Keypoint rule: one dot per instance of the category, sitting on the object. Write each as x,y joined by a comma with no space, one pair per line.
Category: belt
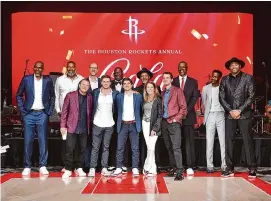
41,110
128,122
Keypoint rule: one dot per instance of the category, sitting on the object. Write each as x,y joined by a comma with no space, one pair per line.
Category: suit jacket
90,90
239,99
177,108
156,116
191,94
114,87
70,112
137,109
206,98
96,94
27,89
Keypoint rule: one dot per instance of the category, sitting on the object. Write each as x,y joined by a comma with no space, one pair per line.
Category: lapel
238,84
77,101
43,85
178,84
153,106
88,105
209,92
134,100
31,84
186,84
172,90
121,102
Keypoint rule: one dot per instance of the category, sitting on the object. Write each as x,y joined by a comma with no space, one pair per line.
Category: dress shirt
180,78
104,114
128,108
118,86
64,85
166,99
37,105
93,84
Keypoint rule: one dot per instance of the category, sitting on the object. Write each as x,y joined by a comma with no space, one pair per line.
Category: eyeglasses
93,68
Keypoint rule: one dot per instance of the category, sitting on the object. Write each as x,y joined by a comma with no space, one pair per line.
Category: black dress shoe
171,173
252,173
179,176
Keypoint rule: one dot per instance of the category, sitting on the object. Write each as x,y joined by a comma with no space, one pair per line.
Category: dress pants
172,136
245,126
71,141
128,130
215,121
35,120
149,164
189,145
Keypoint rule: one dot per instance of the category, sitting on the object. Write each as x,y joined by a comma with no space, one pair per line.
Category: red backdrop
50,36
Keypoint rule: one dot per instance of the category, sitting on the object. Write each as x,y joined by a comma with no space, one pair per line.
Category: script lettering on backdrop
156,68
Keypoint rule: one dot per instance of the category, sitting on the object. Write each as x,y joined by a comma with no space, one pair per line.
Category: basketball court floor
201,187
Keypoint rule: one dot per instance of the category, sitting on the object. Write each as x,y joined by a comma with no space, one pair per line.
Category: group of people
98,112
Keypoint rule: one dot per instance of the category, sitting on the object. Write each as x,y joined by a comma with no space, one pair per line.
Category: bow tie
117,82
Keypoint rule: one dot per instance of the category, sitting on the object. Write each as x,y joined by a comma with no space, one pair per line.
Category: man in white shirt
65,84
103,124
214,118
95,82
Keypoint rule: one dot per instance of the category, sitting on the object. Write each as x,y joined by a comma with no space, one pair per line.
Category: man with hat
236,95
145,76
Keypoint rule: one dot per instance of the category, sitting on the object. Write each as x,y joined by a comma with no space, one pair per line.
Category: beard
71,73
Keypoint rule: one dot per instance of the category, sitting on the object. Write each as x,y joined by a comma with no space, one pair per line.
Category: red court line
161,185
91,185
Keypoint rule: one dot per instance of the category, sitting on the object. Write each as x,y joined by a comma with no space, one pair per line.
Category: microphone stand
266,84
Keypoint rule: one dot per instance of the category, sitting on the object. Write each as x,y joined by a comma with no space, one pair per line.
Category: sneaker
190,171
91,172
111,168
124,170
117,172
179,176
135,172
80,172
227,173
105,172
252,173
26,172
43,170
67,174
145,172
210,170
63,169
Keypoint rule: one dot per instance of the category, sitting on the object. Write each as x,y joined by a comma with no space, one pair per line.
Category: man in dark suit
95,82
128,124
116,84
236,95
36,108
76,125
191,93
145,76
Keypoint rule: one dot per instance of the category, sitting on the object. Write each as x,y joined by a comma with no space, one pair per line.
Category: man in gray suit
214,119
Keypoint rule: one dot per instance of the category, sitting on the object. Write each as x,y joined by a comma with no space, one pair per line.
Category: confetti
69,54
196,34
249,59
239,21
205,36
62,32
66,17
50,29
214,45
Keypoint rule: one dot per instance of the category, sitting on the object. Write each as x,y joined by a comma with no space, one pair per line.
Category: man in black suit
191,93
236,95
116,84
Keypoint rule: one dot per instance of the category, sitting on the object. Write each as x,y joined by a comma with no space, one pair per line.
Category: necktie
182,86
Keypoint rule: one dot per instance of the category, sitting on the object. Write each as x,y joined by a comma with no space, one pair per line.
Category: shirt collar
183,77
36,78
96,80
76,76
111,91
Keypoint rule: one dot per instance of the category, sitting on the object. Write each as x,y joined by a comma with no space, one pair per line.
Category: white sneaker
190,171
91,172
63,169
135,172
105,172
80,172
26,172
43,170
117,172
124,170
67,174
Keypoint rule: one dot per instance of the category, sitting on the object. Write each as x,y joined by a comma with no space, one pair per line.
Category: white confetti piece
196,34
62,32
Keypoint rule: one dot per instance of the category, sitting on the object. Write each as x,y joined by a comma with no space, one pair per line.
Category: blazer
191,94
206,98
137,109
27,89
177,108
70,112
96,94
241,98
156,116
90,90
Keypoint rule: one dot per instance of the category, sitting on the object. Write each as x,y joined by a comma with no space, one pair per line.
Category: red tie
182,86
